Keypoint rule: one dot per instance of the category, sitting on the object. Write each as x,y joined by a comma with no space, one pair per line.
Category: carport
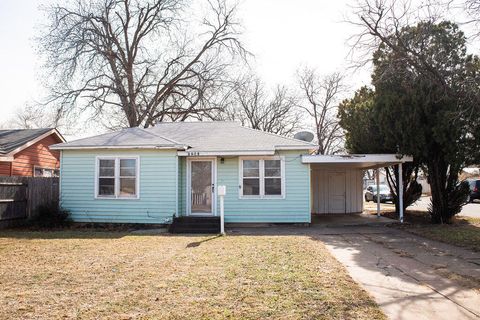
336,181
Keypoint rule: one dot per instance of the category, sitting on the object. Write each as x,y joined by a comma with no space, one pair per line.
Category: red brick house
25,152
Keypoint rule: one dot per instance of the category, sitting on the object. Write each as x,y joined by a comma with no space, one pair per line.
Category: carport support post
377,177
400,191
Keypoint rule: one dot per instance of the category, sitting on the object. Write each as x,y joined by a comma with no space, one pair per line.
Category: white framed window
45,172
262,178
117,177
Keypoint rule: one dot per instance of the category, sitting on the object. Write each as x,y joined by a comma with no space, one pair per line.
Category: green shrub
51,215
458,197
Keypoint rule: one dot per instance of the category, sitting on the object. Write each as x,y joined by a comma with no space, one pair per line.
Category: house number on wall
194,153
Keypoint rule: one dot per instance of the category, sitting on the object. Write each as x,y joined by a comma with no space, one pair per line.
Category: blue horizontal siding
294,208
157,201
182,185
158,188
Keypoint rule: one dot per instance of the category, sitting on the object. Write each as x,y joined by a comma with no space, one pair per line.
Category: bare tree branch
250,103
321,98
381,25
137,62
33,116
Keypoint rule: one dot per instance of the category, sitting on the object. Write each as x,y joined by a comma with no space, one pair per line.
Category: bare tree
465,13
472,10
321,98
29,118
137,62
380,23
251,103
33,116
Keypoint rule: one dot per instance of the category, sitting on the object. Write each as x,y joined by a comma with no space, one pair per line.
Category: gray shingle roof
224,136
13,139
214,136
130,137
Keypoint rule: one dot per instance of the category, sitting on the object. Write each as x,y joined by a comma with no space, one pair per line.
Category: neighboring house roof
218,137
13,141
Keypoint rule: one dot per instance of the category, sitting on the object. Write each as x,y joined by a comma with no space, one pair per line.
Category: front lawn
117,275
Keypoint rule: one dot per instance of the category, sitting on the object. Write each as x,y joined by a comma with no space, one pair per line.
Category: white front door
336,192
201,185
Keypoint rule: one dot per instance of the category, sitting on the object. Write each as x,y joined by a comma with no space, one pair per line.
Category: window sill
116,198
280,197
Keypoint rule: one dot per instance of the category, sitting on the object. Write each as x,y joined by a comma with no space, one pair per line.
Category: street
468,210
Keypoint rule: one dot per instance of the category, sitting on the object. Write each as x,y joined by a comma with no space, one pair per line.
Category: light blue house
174,169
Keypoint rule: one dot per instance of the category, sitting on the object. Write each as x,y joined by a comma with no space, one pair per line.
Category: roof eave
151,147
304,147
6,158
227,153
368,160
245,152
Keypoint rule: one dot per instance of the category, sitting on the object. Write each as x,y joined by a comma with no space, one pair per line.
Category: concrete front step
205,225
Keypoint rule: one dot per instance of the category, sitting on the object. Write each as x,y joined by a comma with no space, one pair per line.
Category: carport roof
364,161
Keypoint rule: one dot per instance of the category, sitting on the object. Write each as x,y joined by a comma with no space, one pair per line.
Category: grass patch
115,275
463,231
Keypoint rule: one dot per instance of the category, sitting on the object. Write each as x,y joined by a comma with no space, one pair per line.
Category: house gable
36,155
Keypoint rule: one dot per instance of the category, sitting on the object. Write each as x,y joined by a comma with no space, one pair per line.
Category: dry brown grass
113,275
462,231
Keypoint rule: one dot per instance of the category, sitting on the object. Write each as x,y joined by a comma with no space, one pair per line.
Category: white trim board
225,153
356,158
220,153
176,186
116,147
361,162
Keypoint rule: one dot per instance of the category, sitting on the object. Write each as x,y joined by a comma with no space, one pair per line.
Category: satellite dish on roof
304,136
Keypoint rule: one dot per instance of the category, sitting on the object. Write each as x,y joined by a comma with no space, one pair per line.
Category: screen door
201,187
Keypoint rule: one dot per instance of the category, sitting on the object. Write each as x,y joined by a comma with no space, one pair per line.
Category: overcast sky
282,34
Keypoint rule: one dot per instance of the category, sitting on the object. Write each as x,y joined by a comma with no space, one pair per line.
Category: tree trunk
437,177
392,179
411,189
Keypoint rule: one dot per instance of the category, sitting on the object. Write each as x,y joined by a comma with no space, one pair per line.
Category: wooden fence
21,196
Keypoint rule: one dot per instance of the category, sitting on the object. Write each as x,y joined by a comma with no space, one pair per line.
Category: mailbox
222,190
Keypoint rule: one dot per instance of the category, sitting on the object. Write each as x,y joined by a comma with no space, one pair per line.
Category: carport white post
377,176
400,191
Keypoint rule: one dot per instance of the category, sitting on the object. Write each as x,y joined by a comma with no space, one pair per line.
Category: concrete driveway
410,277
